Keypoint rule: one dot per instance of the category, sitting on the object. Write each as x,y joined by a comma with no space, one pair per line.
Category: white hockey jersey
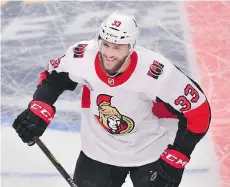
117,124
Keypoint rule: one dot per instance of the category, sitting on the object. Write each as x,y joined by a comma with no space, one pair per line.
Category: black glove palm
170,168
165,175
28,126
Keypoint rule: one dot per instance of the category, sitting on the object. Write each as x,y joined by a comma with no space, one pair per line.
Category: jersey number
116,23
55,63
184,102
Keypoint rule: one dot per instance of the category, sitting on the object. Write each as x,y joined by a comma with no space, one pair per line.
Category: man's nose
109,54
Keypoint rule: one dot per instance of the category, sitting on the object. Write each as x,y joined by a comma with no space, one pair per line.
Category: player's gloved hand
33,121
170,168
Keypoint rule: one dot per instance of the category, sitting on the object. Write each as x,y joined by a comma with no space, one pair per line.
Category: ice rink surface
194,36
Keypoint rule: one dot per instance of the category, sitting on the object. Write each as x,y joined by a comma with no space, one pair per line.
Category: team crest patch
79,50
110,118
155,69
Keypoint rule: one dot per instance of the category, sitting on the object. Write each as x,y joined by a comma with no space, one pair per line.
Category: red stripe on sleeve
85,100
160,111
198,119
43,76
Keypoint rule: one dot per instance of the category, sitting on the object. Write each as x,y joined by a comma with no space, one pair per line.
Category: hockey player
119,132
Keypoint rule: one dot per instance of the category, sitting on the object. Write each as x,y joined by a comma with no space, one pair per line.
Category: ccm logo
177,161
41,112
111,35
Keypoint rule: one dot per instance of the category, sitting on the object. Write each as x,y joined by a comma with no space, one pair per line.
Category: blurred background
195,36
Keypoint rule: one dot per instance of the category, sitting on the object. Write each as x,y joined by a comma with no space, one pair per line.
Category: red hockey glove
170,170
174,158
33,121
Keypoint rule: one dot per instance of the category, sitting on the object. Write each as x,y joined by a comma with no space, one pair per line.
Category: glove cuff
174,158
42,110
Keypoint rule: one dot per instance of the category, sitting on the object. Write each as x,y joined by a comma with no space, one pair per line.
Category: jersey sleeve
60,64
52,85
183,95
55,79
72,62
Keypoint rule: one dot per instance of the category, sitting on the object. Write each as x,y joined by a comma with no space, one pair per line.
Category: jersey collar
115,81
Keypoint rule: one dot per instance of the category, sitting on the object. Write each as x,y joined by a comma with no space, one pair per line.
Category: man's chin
110,72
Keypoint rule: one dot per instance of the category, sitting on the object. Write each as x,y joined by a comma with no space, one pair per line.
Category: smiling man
120,133
114,58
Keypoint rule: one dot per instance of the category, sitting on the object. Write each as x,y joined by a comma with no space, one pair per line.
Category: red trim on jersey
160,111
85,99
43,76
119,79
198,119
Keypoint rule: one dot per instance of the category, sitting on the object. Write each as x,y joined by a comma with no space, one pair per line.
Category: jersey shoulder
75,56
147,56
79,49
88,44
153,64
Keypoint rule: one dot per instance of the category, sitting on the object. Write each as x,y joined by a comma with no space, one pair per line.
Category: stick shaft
55,162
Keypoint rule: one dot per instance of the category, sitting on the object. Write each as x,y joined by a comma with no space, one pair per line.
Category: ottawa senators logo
110,118
155,70
79,50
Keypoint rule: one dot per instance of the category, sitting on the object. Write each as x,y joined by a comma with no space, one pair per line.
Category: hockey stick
55,162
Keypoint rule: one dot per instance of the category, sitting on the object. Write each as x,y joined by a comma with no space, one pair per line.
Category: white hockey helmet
119,28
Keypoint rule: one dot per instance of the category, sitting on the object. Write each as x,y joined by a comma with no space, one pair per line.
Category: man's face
113,56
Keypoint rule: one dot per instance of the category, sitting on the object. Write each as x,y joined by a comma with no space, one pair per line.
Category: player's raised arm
53,82
186,99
